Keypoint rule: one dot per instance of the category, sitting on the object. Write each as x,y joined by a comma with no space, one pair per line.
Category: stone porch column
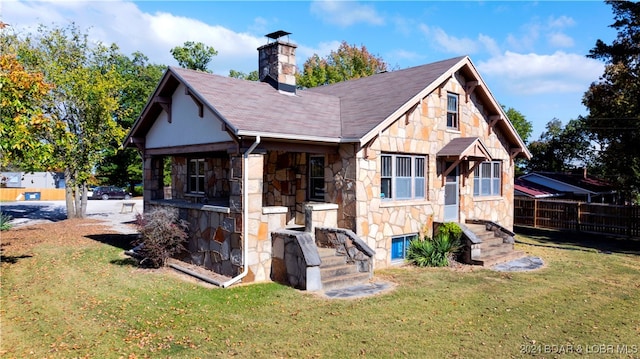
258,239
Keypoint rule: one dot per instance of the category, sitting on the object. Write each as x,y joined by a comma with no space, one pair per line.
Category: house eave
307,138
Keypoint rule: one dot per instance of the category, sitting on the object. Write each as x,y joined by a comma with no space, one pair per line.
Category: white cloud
536,74
123,23
448,43
345,13
323,49
558,39
551,30
560,22
459,46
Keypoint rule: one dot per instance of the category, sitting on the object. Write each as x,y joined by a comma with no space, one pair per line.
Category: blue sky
530,54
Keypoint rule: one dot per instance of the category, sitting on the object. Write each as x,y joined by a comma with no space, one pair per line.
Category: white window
487,179
402,177
316,178
195,173
452,111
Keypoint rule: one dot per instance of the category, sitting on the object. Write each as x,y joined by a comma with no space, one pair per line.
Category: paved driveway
30,212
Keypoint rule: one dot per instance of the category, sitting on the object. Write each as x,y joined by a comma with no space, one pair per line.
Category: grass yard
69,292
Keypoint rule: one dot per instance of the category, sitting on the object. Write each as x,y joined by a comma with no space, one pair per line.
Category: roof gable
350,111
389,91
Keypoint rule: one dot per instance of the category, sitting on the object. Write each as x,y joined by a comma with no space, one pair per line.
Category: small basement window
399,246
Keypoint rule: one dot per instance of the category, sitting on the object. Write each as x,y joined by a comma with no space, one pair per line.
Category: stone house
382,158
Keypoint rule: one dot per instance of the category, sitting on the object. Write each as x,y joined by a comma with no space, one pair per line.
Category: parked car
110,192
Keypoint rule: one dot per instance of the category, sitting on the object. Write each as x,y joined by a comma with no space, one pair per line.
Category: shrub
450,228
162,234
5,222
436,252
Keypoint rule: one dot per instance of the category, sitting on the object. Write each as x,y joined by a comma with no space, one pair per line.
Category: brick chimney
277,62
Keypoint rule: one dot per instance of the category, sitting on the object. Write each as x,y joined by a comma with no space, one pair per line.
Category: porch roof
465,148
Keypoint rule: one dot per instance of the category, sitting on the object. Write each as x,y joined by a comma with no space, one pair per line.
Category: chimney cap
277,34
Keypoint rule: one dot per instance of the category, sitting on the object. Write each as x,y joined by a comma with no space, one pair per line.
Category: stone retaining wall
295,260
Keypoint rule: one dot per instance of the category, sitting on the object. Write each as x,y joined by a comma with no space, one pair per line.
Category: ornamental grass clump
5,222
436,252
162,234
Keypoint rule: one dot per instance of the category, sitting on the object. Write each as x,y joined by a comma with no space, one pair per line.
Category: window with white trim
452,111
487,179
399,246
195,173
402,177
316,178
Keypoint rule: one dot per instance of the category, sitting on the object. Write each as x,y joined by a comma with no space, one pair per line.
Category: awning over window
463,149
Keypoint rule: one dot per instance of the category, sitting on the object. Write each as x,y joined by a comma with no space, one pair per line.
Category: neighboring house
32,180
384,157
570,186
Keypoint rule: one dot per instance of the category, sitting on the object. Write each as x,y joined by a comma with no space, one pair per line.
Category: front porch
234,203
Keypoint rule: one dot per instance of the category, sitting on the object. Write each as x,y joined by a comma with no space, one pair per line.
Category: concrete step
327,272
492,241
491,260
476,228
497,249
335,272
345,280
328,258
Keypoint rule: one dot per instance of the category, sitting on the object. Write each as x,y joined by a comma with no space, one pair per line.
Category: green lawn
88,300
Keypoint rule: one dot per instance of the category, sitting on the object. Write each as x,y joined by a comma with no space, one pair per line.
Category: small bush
436,252
5,222
450,228
162,235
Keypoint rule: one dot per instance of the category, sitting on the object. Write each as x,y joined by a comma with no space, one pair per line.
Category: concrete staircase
336,272
488,248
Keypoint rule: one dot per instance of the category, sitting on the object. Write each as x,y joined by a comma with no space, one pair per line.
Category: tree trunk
83,203
68,194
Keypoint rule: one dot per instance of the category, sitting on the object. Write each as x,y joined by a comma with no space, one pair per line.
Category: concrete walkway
359,291
368,289
520,265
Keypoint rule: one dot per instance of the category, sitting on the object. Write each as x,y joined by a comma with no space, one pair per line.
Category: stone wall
423,130
214,237
285,183
296,261
216,232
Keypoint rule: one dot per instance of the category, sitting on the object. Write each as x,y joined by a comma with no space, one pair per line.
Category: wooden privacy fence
577,216
21,194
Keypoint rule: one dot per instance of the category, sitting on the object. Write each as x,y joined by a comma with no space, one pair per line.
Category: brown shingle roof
251,106
367,101
349,111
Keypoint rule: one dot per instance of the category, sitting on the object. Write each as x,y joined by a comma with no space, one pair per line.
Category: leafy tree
80,110
524,129
614,103
124,167
22,93
348,62
561,148
194,55
251,76
519,121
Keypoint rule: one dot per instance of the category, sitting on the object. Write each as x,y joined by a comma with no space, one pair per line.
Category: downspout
245,214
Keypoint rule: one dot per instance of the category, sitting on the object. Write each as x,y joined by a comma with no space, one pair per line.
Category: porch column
153,178
258,236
